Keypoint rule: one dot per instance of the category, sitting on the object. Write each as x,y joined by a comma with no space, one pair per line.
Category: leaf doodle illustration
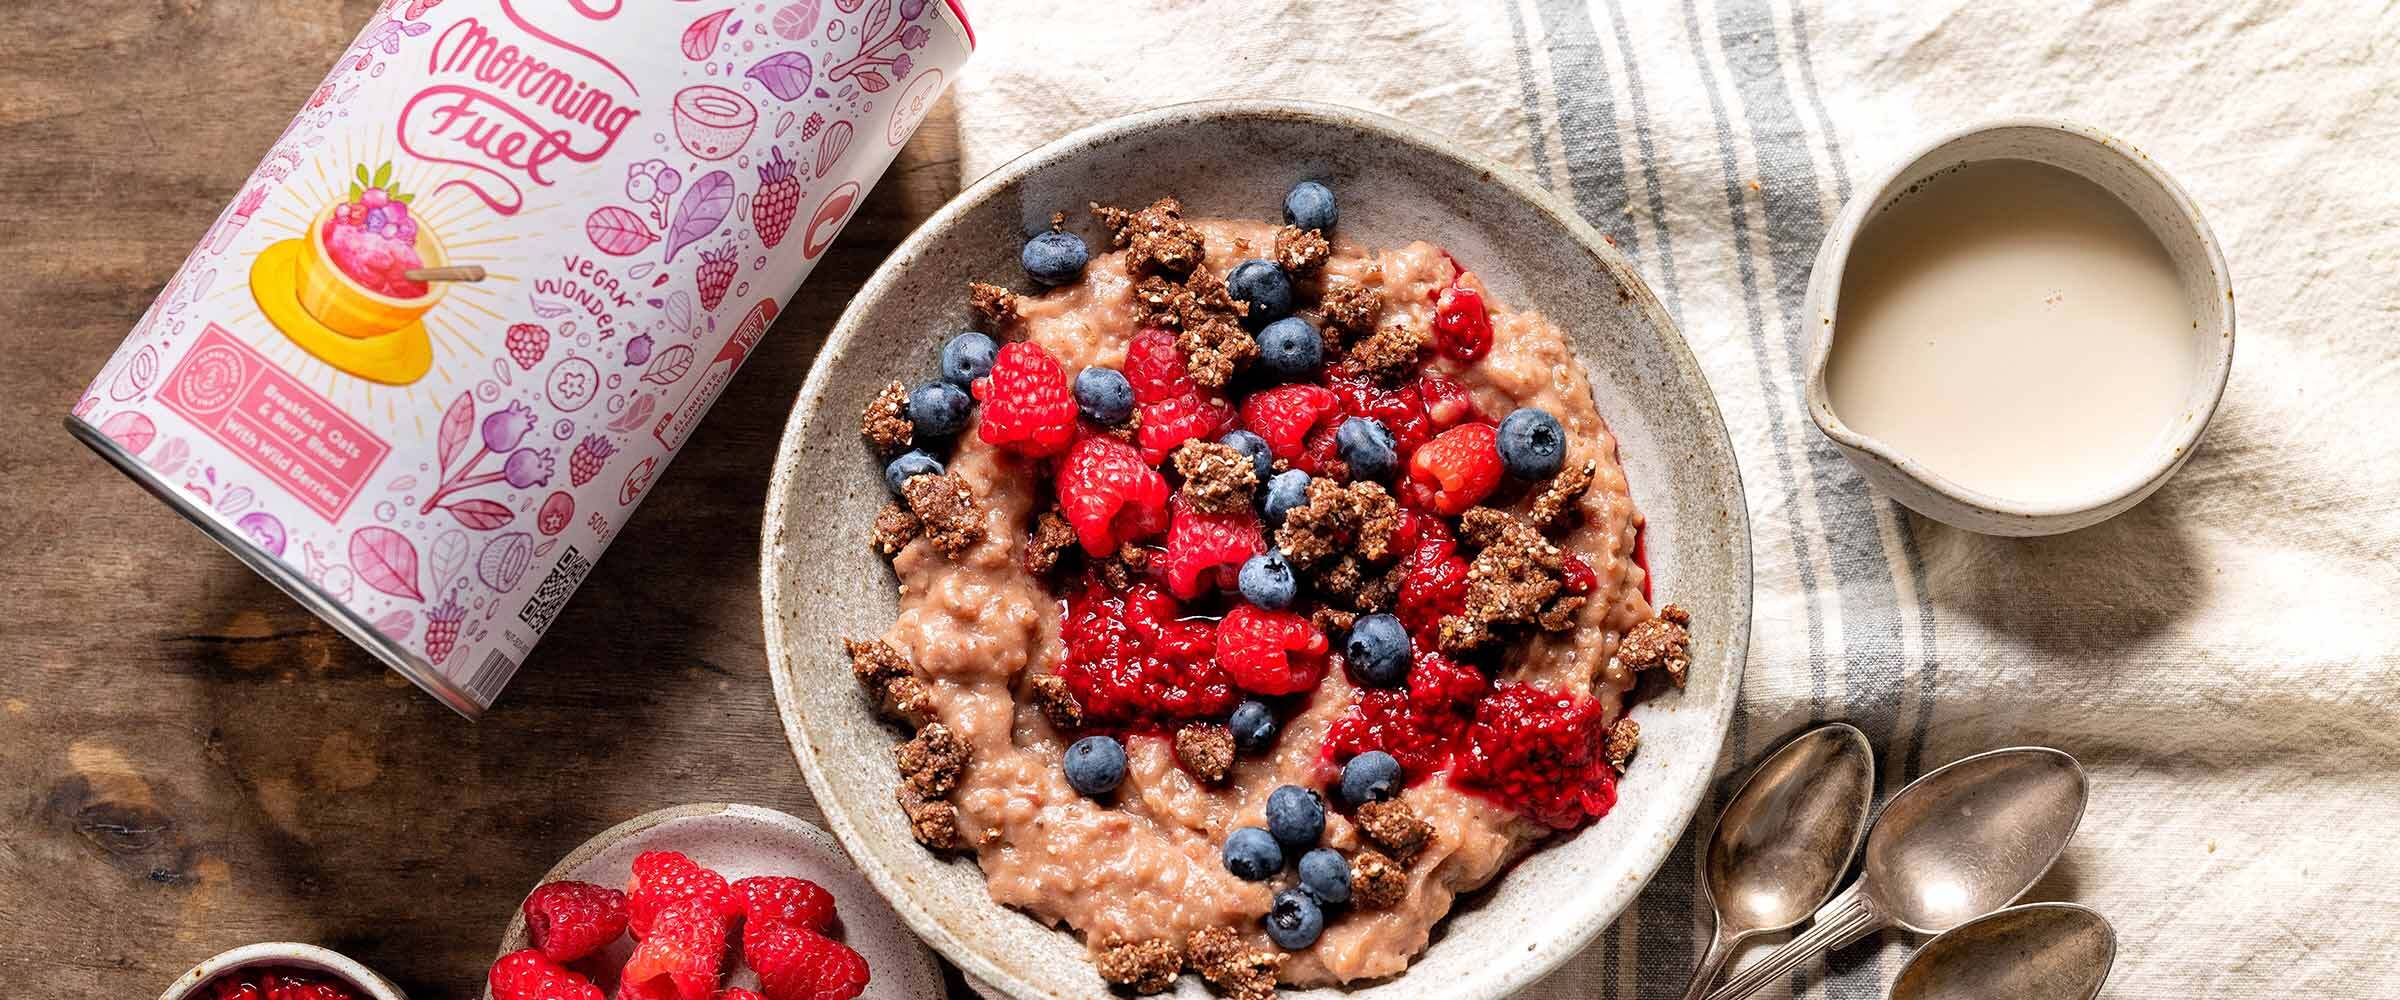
635,415
879,17
785,75
679,312
704,207
549,308
480,514
701,38
385,560
448,557
617,231
669,365
872,82
397,625
458,423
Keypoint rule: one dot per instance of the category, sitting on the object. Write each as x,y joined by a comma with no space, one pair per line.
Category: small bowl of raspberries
281,970
708,902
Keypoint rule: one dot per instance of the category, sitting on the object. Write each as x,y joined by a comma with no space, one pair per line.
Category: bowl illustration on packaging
352,290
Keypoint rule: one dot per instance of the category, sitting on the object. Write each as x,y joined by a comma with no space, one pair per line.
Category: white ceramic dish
286,954
739,841
821,580
2124,172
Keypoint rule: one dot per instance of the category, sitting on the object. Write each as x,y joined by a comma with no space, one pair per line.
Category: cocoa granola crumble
1057,702
1050,538
1358,518
1217,478
1509,582
1376,882
934,822
1156,239
1390,352
1224,957
1623,737
1206,750
1145,966
894,528
885,423
948,511
1660,643
998,308
932,762
876,662
1349,309
1301,251
1558,499
1393,826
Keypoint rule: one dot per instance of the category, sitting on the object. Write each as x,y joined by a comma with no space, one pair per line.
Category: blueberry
1095,765
1266,580
1370,777
1287,490
968,357
1326,875
939,409
910,466
1261,456
1378,650
1055,258
1253,726
1295,818
1309,205
1295,921
1104,395
1532,444
1263,284
1290,348
1367,448
1251,854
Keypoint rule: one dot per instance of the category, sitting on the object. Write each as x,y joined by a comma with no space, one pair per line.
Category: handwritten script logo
507,112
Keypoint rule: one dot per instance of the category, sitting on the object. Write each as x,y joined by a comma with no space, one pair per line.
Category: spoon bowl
1945,852
2054,951
1964,840
1781,846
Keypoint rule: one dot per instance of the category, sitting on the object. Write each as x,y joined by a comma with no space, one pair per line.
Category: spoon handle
1849,917
1719,949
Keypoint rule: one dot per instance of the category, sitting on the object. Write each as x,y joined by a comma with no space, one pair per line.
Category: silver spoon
1782,844
1960,842
2039,951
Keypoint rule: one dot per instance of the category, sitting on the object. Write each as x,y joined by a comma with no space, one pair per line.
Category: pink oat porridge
373,239
1260,594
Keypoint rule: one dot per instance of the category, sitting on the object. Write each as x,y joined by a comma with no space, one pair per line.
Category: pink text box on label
285,430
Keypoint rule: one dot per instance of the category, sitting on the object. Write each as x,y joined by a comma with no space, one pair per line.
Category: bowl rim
1825,292
425,236
1541,957
295,953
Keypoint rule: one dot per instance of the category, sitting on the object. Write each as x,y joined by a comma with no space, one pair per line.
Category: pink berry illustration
441,630
589,455
778,197
527,342
717,268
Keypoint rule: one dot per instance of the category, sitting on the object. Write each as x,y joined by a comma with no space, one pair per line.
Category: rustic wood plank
193,761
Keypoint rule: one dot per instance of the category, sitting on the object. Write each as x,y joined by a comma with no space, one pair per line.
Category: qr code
552,595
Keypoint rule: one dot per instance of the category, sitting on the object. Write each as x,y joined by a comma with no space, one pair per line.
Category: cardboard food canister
447,334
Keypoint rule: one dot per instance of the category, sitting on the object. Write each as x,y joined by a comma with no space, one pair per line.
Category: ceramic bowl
739,841
347,307
2122,171
283,954
822,581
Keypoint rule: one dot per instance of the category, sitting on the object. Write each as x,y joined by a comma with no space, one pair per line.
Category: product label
489,280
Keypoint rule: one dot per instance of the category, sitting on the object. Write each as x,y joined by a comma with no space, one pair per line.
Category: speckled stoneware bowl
1396,183
287,955
2129,175
740,841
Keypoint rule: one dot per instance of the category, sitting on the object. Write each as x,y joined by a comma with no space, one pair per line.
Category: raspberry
1461,467
1439,683
441,629
1577,576
683,951
589,455
1387,719
1206,551
715,276
664,877
283,984
1401,410
1286,414
1270,652
1542,753
527,342
530,975
1167,425
738,993
777,198
795,963
1446,402
1155,367
1131,659
786,900
1462,327
1433,585
568,920
1110,495
1026,405
663,989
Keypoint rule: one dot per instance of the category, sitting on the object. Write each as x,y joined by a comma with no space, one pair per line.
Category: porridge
1259,595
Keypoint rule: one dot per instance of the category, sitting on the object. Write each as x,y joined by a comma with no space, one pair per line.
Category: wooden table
192,762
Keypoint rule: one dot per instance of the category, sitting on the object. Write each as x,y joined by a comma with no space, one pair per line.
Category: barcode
490,677
552,595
